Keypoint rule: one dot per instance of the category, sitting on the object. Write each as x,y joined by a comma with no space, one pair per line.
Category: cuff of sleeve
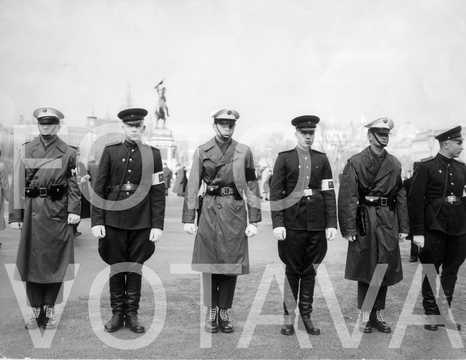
350,233
157,225
189,217
332,224
278,223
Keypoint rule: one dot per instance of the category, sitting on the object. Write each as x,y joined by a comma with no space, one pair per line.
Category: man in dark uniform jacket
414,249
373,217
303,218
128,214
437,201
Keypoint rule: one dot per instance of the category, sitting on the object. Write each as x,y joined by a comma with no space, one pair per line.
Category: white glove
155,235
419,240
16,225
98,231
251,230
190,228
331,234
350,238
279,233
73,218
402,236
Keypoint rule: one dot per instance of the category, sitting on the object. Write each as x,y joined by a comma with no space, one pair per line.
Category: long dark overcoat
46,246
223,219
380,244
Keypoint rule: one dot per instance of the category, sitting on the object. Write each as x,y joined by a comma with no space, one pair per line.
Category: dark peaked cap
303,122
452,134
132,115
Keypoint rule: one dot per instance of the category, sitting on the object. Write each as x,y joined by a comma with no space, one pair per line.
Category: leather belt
216,190
54,191
452,199
310,192
125,187
377,201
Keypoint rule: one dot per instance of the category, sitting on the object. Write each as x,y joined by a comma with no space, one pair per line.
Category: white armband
327,184
157,178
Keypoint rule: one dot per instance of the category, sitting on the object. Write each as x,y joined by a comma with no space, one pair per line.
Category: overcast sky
270,60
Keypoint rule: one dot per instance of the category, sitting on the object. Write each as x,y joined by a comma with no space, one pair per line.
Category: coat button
127,193
132,150
130,159
219,206
123,159
129,170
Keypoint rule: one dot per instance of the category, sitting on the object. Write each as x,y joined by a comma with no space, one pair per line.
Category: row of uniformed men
129,204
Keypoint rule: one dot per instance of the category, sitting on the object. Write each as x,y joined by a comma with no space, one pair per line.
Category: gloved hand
98,231
350,238
251,230
402,236
191,229
331,234
73,218
279,233
16,225
419,240
155,235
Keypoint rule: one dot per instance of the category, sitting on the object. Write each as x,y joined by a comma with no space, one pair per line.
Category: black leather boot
306,298
133,295
377,322
224,321
365,325
429,304
211,321
288,322
117,302
289,304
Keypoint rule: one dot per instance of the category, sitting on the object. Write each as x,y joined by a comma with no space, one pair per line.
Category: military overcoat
46,245
220,238
380,243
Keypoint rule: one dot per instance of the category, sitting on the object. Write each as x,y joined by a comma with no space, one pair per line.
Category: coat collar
389,163
58,143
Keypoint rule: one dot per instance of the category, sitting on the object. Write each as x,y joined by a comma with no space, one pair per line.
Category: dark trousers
414,251
300,252
449,252
43,294
220,291
379,303
122,245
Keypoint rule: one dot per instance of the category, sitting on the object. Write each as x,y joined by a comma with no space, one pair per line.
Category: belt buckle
43,192
307,192
451,199
127,187
383,201
224,191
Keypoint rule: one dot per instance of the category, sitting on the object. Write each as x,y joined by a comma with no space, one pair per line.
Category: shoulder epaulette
318,152
113,143
427,159
285,151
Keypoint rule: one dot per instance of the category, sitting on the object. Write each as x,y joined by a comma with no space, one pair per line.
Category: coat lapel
212,151
386,168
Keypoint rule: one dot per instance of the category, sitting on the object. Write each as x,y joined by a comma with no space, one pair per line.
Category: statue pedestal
162,138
